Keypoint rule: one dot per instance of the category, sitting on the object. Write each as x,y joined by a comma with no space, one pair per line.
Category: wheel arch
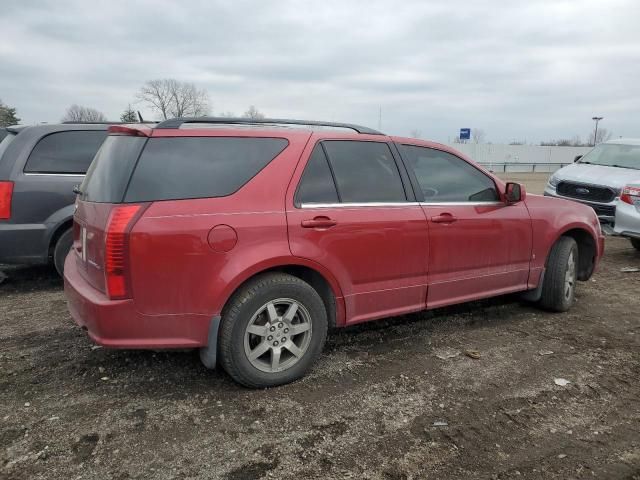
314,274
57,232
587,250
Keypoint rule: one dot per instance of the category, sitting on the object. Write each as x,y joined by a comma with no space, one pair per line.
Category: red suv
249,239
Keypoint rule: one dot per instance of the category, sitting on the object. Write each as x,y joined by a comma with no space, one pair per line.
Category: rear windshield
111,168
65,152
199,167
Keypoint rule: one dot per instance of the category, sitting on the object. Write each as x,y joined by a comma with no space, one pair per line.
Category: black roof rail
177,122
70,122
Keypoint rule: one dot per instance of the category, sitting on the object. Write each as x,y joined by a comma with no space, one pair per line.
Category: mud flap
208,354
535,294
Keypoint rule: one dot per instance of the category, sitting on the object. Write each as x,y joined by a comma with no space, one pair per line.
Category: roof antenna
140,117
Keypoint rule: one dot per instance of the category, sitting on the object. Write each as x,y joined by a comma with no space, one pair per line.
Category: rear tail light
6,193
116,251
630,195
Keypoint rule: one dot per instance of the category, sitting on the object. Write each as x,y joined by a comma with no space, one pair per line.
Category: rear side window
65,152
199,167
317,185
111,169
5,142
446,178
365,172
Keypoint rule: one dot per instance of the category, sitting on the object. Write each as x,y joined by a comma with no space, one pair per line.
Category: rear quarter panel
173,267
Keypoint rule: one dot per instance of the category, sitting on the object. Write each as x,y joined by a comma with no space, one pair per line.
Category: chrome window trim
358,205
437,204
395,204
33,174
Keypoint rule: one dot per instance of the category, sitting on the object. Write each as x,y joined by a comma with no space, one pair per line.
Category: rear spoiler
133,130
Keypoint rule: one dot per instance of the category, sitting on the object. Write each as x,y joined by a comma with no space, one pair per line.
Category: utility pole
595,134
380,118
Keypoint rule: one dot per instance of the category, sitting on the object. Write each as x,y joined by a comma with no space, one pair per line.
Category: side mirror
578,157
514,192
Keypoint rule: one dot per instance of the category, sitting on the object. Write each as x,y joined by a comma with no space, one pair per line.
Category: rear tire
635,242
61,250
272,331
559,284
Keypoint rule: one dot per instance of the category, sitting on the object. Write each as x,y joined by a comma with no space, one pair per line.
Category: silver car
628,214
597,178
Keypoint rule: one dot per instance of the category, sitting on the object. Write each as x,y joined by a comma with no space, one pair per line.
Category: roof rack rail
71,122
177,122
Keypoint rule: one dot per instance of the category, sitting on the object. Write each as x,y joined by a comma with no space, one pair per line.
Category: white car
597,178
628,214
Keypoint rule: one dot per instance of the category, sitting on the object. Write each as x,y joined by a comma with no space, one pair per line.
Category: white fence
520,158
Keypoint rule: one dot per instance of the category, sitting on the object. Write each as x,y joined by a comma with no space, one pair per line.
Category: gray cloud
535,70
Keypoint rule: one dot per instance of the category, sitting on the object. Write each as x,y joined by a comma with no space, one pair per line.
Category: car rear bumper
23,244
606,211
117,323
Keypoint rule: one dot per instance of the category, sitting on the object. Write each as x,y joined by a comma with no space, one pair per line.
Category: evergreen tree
7,115
129,115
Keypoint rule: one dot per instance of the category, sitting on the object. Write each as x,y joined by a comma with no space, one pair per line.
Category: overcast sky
520,70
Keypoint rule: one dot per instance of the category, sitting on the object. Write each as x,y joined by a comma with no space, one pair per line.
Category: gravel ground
395,399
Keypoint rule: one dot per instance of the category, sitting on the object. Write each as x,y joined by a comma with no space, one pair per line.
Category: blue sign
465,133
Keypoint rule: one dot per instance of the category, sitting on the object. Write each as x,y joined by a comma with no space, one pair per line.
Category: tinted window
316,185
109,173
365,171
446,178
65,152
199,167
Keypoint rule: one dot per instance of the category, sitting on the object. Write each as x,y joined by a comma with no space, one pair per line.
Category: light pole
595,134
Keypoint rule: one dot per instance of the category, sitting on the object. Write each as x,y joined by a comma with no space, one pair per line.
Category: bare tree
253,113
478,135
415,133
603,136
227,114
78,113
172,98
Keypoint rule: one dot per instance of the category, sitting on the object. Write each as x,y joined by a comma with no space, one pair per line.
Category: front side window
365,172
443,177
65,152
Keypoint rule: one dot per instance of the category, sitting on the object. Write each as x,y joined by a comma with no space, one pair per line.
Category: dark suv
39,166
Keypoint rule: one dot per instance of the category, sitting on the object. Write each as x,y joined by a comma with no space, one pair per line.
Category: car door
351,212
480,246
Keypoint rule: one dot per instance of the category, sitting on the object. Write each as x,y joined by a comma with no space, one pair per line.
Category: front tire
635,242
559,287
272,331
61,250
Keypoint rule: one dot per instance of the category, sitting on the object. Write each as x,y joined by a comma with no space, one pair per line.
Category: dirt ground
394,399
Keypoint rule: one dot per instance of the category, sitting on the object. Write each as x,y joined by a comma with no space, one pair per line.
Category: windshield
614,155
5,142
